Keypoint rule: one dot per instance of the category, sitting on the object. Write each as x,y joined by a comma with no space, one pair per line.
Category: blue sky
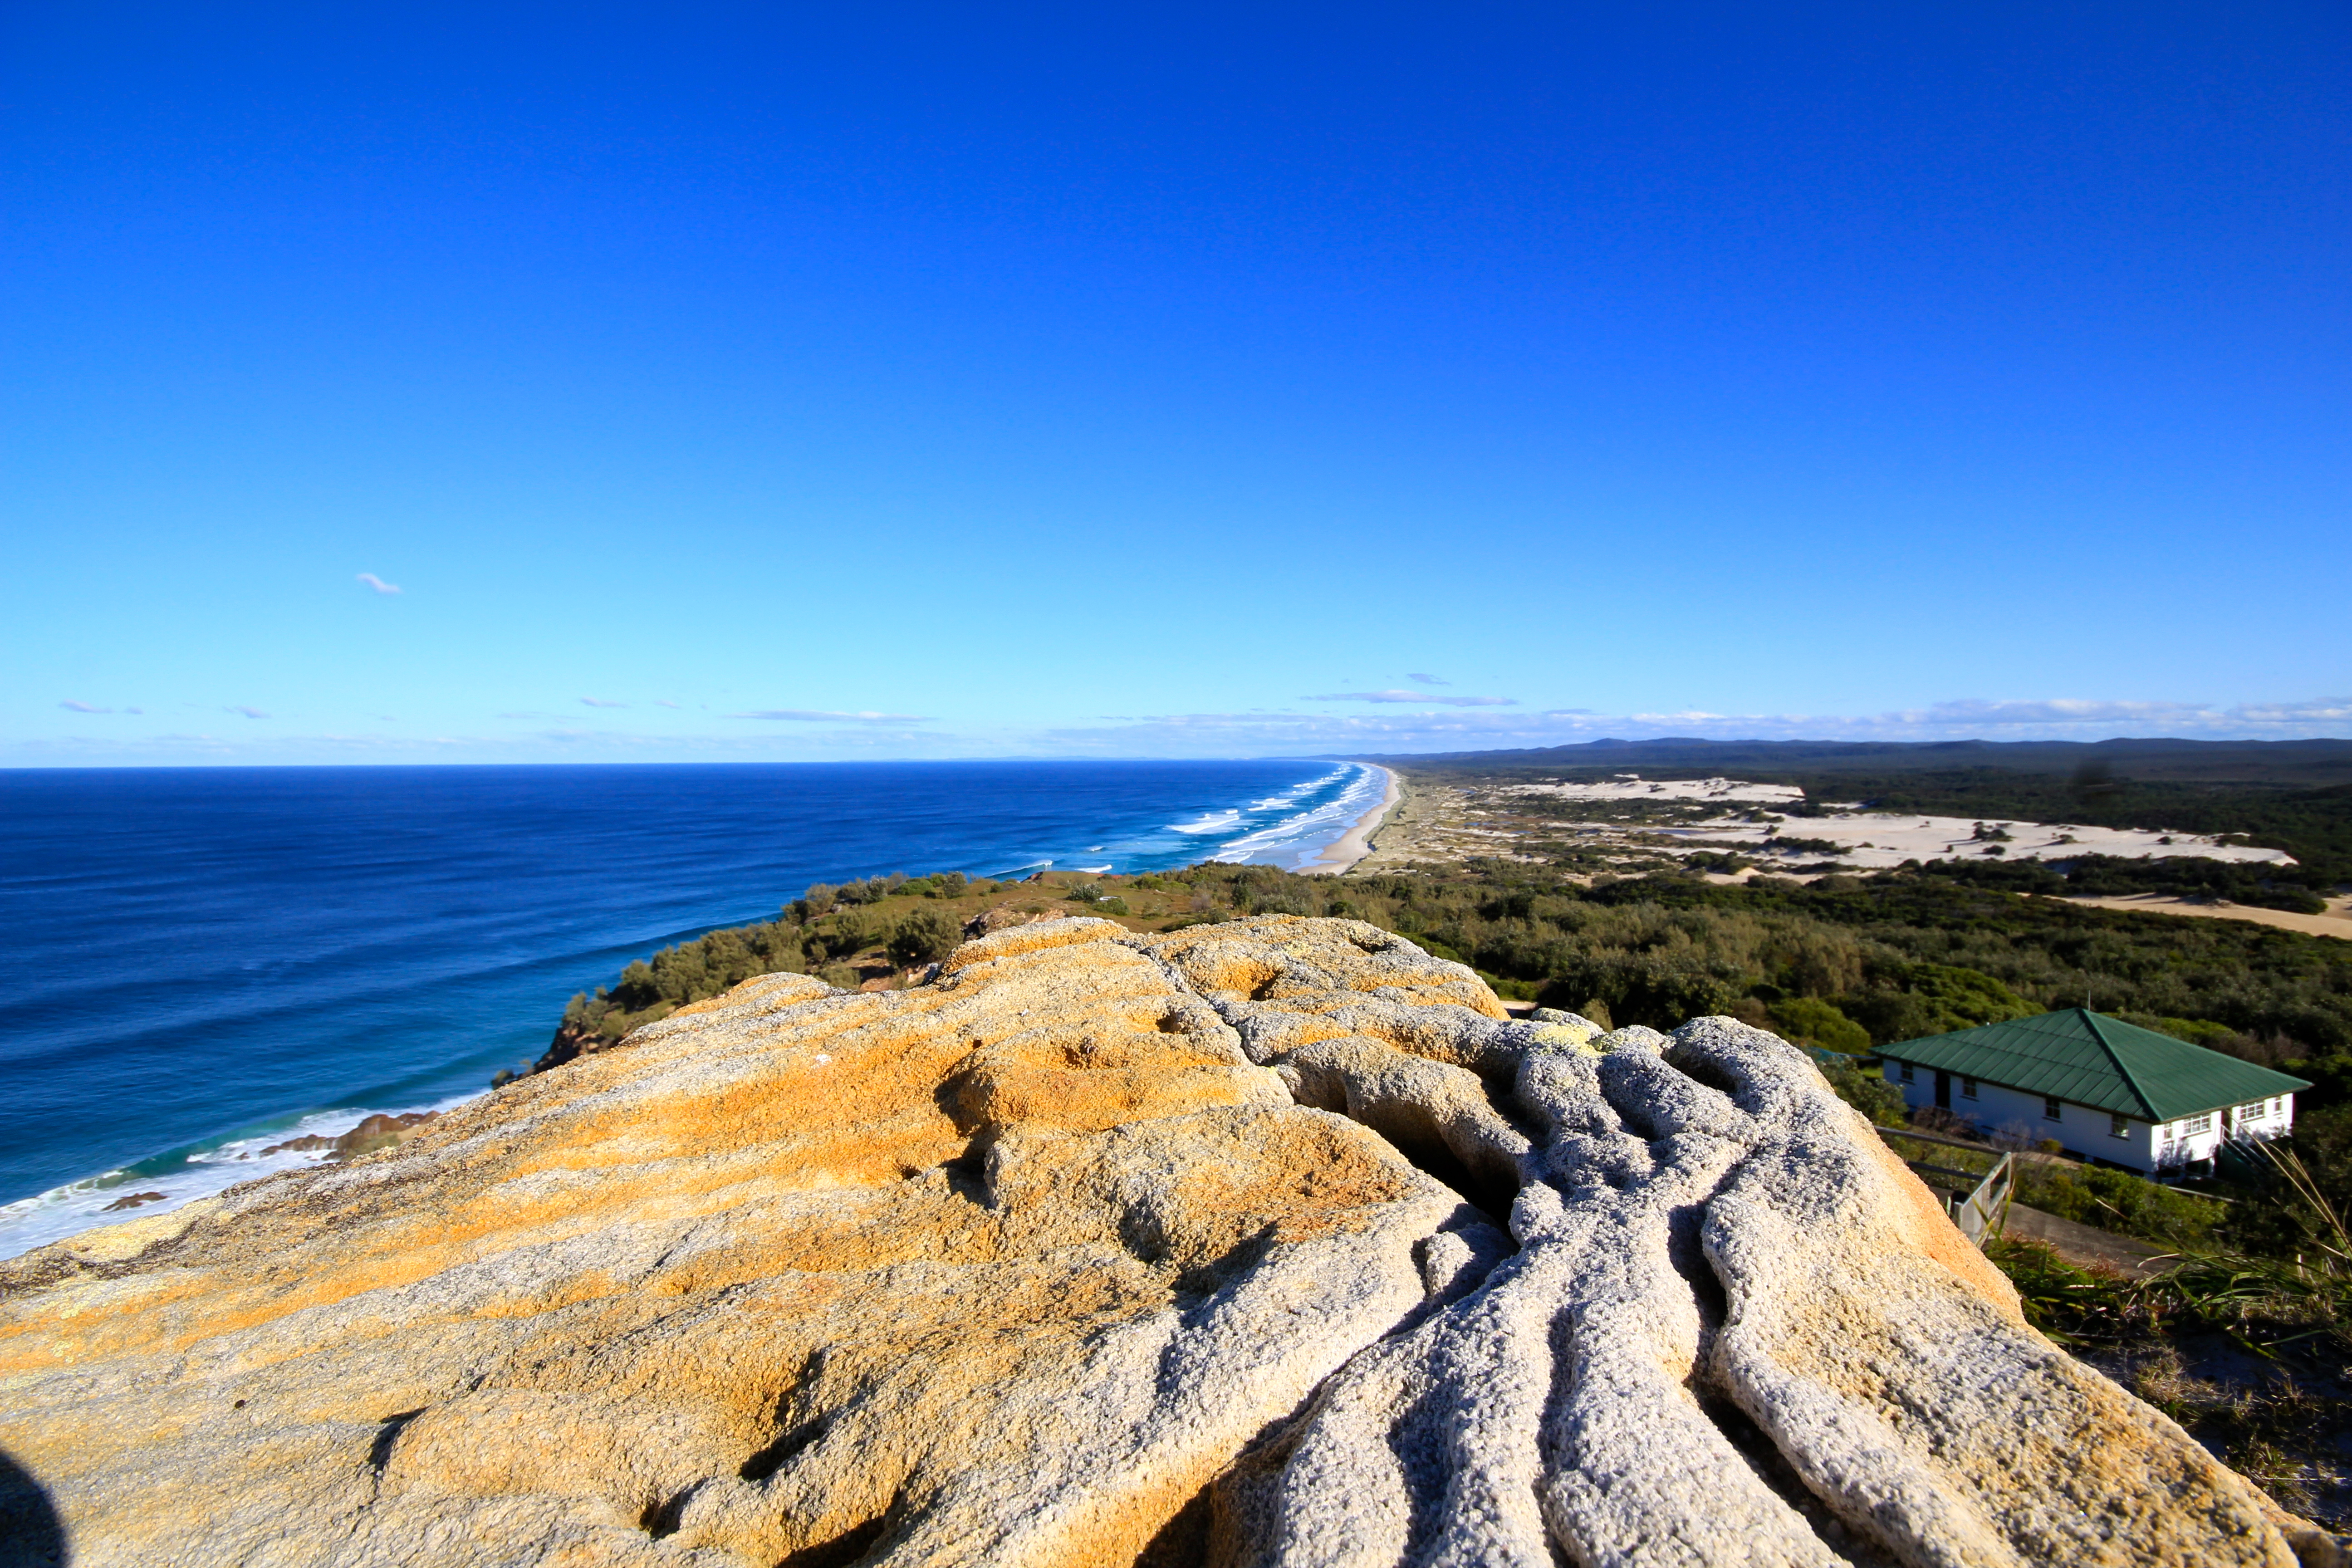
722,381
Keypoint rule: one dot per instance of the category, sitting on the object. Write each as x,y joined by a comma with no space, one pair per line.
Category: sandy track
2337,922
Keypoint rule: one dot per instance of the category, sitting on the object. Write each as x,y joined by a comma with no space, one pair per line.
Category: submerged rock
370,1135
134,1199
1097,1248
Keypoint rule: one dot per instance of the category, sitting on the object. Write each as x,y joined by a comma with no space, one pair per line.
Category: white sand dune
1630,786
1872,839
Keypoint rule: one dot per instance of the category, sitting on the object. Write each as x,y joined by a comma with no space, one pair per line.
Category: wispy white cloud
601,702
2074,711
1397,730
70,706
2326,710
665,702
378,583
1427,680
1414,697
249,712
1391,728
821,716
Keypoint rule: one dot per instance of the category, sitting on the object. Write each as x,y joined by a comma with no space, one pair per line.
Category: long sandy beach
1357,842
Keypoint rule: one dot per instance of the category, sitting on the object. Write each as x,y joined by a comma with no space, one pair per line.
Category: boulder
1093,1248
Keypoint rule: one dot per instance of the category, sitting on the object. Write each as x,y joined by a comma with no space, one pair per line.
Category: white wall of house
2092,1132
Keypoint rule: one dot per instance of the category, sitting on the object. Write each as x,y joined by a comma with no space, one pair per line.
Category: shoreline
204,1170
1356,843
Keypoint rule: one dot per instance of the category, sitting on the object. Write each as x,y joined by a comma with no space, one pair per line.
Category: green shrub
2118,1201
1908,1001
924,936
1810,1018
1865,1092
2203,1031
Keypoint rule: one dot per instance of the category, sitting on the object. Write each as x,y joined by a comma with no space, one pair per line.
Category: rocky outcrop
1096,1249
370,1135
574,1037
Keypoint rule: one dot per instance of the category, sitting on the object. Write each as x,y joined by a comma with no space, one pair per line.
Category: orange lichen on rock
1096,1247
789,1265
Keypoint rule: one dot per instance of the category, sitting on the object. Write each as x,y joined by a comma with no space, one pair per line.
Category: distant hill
2305,762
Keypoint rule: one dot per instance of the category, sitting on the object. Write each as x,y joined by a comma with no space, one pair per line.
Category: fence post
1986,1209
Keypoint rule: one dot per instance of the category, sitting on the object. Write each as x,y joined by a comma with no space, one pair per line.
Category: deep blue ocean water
202,962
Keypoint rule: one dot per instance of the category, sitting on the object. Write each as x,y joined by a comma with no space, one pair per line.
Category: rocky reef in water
1267,1243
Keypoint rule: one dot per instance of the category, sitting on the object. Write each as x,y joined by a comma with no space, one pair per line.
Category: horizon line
1369,758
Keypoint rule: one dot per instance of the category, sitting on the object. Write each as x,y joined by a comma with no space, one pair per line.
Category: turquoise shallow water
208,961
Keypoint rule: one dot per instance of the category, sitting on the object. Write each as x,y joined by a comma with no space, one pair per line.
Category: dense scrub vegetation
1846,962
888,917
1891,956
2109,875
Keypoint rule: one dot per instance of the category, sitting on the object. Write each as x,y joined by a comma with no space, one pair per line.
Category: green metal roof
2089,1059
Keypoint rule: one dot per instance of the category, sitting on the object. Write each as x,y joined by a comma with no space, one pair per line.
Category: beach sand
1357,842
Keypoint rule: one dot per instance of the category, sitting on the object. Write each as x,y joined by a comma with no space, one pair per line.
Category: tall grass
2299,1302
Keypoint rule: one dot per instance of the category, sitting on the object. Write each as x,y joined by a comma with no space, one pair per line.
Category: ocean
210,962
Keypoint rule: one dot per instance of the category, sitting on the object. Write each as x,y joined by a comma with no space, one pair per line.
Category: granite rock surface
1270,1242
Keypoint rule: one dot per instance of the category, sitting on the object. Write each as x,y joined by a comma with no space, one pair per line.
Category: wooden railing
1983,1206
1982,1211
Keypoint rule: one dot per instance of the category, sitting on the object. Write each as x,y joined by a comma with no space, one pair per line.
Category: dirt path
2085,1244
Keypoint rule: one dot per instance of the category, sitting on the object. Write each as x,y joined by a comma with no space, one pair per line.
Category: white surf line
1305,826
90,1203
1356,843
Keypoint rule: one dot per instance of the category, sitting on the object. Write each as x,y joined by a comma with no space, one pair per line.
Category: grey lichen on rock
1098,1248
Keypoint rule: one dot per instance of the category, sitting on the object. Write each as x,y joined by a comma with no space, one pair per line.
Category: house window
2118,1127
2255,1111
1968,1088
2192,1125
2050,1110
1907,1074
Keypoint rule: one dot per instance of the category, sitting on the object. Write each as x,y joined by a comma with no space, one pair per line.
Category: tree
924,936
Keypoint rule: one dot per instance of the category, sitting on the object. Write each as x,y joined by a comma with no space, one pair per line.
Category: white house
2103,1089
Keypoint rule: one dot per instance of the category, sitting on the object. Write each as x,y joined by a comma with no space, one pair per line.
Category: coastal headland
1271,1240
